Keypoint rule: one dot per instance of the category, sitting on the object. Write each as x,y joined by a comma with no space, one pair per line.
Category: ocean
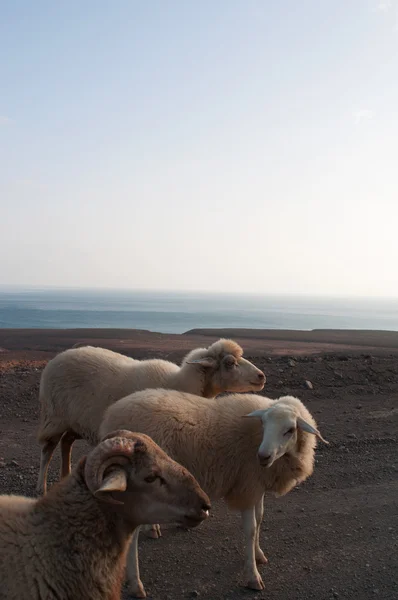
168,312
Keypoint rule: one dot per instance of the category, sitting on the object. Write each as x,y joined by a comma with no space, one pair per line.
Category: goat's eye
162,481
151,478
290,431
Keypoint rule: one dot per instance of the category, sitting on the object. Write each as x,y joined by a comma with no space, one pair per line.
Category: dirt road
334,537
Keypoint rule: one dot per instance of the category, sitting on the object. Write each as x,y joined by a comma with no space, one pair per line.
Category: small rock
194,594
308,384
352,435
291,362
14,463
2,464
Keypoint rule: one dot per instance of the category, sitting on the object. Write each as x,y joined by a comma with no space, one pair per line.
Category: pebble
308,384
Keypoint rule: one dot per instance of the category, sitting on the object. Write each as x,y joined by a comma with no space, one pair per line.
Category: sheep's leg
66,450
47,451
154,531
261,559
251,574
135,585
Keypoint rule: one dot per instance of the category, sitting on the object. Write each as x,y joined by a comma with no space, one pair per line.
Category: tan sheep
72,543
78,385
235,458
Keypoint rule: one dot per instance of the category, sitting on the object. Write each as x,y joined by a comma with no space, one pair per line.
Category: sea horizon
178,311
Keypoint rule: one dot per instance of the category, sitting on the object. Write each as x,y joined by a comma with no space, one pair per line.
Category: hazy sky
232,145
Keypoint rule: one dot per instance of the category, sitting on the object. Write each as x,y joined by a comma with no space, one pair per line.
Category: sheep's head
131,471
225,369
282,424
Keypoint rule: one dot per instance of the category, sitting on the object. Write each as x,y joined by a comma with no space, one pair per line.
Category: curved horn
117,448
124,433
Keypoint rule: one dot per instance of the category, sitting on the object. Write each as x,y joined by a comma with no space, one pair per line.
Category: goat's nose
203,511
264,457
261,376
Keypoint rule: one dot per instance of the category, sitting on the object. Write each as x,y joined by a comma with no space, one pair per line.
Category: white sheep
72,543
78,385
238,459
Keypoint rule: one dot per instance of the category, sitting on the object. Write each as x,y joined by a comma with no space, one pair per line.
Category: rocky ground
336,536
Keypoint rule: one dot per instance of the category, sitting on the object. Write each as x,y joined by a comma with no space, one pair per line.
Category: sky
221,145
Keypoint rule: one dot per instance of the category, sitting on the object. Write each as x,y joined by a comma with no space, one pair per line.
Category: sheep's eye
290,431
151,478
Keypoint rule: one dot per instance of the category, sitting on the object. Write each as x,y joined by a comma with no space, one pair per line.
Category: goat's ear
114,482
256,414
309,429
206,361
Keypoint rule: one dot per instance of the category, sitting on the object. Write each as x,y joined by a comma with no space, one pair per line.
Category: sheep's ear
256,414
114,482
207,362
309,429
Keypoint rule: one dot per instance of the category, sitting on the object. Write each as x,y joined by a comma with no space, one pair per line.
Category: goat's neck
194,380
294,466
94,540
188,379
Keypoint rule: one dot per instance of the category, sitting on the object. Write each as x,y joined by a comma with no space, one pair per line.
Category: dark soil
336,536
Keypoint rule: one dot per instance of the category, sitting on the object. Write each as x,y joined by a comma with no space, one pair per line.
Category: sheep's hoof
256,584
138,590
261,559
40,490
155,532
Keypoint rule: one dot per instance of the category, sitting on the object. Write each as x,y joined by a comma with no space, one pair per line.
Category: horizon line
74,288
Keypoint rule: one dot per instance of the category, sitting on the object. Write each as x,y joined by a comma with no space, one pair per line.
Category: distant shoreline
42,344
361,337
